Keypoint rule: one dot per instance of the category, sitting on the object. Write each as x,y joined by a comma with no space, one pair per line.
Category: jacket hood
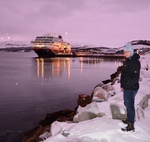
135,56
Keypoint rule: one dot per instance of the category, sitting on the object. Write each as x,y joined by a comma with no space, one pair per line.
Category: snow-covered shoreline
105,128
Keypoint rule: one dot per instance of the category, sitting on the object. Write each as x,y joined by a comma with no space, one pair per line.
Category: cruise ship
51,46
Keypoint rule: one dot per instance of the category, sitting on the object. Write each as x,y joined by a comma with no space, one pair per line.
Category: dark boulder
84,99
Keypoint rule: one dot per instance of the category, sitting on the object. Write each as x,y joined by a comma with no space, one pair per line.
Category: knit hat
128,47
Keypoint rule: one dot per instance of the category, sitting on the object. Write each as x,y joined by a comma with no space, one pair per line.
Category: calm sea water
31,87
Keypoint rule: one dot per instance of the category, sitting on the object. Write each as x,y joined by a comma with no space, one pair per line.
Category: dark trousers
129,97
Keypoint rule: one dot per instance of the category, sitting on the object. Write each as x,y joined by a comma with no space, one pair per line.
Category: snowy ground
106,129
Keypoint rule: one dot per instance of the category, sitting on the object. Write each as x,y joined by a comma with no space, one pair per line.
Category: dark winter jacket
130,73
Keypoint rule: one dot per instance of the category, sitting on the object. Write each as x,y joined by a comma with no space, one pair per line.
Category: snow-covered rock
89,112
99,94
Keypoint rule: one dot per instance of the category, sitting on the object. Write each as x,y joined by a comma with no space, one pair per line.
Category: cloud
109,22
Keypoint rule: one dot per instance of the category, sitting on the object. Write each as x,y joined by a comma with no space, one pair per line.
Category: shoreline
44,125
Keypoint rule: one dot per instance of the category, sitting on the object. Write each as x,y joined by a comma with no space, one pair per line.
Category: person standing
130,83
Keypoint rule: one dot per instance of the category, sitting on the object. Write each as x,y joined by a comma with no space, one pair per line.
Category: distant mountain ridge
15,44
144,42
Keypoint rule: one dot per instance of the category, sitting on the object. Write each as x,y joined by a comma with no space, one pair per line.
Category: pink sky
96,22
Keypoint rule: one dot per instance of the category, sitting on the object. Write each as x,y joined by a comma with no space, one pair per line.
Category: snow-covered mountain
14,44
138,44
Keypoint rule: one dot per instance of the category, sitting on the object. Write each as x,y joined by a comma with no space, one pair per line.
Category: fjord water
31,87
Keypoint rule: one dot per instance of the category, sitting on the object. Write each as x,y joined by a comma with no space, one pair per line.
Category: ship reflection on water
52,67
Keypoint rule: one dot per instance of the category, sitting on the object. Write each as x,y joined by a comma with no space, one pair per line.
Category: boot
130,127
